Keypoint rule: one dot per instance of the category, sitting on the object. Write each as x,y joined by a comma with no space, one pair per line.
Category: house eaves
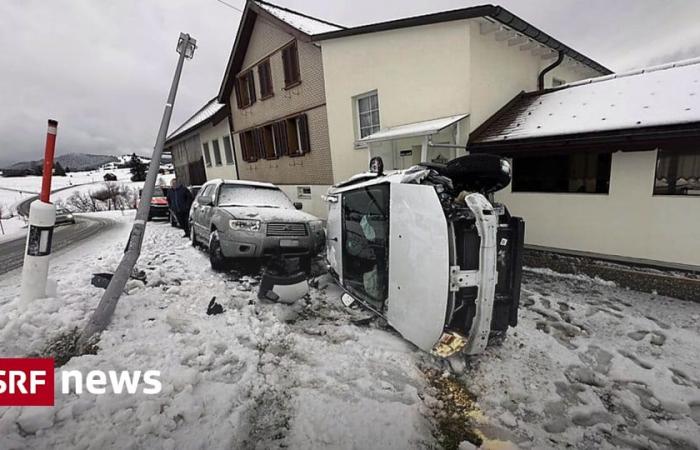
498,13
301,26
212,113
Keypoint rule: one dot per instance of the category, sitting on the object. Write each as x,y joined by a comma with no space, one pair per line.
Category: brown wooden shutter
303,126
281,137
258,147
290,61
251,86
237,86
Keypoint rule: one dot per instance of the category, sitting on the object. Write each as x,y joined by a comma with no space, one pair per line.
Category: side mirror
298,205
205,201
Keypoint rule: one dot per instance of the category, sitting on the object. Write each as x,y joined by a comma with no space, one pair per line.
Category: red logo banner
26,382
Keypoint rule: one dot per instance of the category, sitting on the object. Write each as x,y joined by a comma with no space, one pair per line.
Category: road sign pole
42,218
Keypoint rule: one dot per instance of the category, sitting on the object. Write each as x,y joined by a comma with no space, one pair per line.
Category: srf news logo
26,382
30,381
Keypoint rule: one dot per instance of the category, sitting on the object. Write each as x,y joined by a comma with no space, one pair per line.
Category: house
201,147
607,167
273,88
413,89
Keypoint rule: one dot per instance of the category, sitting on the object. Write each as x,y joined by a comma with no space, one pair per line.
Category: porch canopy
431,140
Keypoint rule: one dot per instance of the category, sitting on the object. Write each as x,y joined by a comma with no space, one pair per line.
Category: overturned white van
426,249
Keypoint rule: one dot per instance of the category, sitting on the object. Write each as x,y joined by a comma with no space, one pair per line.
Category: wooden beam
528,46
503,35
540,51
516,41
487,27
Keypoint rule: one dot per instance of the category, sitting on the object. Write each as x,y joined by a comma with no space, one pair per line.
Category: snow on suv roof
657,96
243,182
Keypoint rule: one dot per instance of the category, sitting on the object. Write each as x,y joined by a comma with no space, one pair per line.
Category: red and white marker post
42,218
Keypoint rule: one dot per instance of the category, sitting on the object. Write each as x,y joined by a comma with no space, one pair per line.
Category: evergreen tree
138,168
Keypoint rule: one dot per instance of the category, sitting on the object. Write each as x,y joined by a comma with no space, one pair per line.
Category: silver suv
247,219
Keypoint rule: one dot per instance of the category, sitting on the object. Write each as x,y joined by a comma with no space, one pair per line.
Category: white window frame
356,109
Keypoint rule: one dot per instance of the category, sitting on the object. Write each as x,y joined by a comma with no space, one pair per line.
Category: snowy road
590,366
12,251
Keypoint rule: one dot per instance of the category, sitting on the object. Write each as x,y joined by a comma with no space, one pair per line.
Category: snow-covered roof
207,111
657,96
301,22
424,128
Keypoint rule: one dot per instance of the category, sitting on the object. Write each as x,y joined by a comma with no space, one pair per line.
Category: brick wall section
309,97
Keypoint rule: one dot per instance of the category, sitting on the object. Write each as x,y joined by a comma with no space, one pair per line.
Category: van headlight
316,226
244,224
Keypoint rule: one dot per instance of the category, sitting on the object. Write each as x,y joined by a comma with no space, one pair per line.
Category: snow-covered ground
589,366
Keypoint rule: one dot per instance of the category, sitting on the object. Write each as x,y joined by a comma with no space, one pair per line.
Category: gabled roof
634,103
299,25
424,128
212,112
497,13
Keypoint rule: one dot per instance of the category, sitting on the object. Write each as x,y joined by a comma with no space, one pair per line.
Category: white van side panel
419,267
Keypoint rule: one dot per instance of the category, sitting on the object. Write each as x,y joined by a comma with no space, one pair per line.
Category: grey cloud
103,68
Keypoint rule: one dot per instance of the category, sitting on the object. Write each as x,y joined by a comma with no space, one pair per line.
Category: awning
425,128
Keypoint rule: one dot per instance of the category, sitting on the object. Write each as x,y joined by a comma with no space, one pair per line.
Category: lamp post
99,320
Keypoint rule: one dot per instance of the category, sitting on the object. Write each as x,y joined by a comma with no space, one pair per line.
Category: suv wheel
193,236
216,256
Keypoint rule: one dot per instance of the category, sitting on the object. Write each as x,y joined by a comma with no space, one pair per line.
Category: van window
366,243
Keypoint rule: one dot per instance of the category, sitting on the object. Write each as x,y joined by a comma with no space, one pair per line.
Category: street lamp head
186,44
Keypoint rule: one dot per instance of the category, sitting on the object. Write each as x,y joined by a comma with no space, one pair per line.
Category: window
287,137
368,114
207,156
574,172
265,77
365,231
557,82
248,146
677,173
242,195
228,150
245,90
217,152
304,192
290,61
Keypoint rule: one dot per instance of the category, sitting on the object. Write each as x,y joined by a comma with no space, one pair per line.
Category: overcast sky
102,68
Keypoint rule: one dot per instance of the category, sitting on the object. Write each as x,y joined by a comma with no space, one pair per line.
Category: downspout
540,77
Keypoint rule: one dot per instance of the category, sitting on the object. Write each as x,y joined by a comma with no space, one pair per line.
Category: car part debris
214,307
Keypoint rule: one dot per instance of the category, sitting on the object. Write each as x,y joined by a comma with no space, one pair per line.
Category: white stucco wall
628,222
314,205
208,134
423,73
408,68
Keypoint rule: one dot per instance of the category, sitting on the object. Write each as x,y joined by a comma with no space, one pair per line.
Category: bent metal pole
42,217
105,309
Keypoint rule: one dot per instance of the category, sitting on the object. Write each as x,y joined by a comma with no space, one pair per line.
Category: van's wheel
193,236
216,257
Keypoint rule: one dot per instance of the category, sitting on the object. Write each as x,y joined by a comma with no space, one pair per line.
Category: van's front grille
286,229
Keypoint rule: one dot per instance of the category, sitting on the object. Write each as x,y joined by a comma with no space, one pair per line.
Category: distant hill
73,161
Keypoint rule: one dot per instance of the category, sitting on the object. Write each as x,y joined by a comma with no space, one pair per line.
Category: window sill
262,99
298,155
241,108
292,85
361,145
